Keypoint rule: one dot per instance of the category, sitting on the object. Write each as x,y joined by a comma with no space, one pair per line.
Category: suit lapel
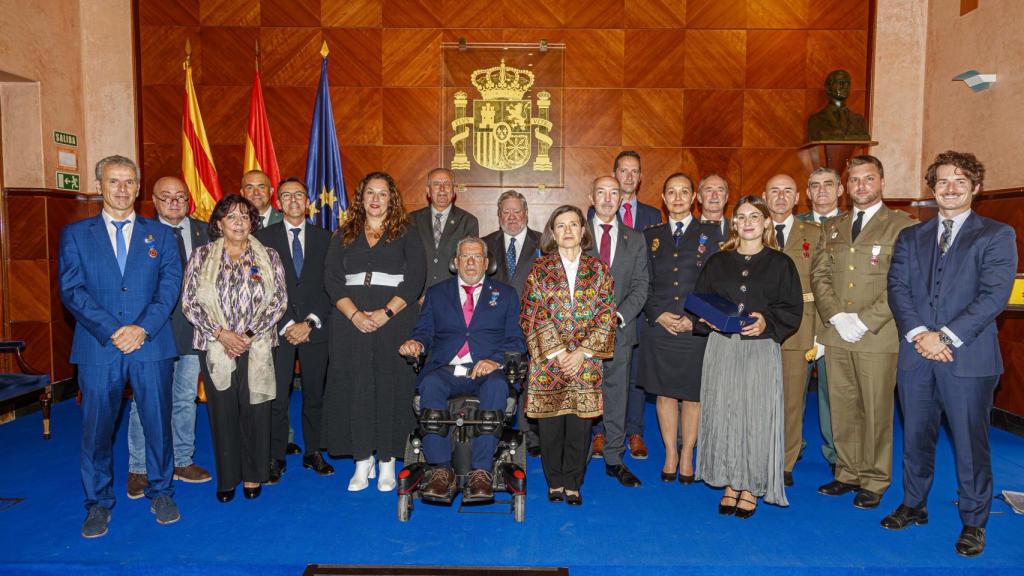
102,239
138,249
285,251
529,247
426,229
843,225
964,237
926,247
871,231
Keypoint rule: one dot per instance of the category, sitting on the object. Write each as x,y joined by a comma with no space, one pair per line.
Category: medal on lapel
494,298
807,249
875,251
701,248
149,244
254,274
655,245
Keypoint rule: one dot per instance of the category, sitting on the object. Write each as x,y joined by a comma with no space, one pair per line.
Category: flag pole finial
323,50
188,54
257,54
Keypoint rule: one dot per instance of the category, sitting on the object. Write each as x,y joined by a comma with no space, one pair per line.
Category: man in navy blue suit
949,279
467,323
638,216
120,276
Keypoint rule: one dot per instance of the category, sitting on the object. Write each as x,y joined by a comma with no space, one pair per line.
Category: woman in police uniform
670,354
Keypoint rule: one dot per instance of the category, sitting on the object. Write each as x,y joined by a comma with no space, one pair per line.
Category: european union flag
327,199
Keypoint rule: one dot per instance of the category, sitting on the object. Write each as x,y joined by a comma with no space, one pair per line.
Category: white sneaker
364,470
386,482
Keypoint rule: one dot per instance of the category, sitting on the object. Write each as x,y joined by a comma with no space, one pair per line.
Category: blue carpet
653,530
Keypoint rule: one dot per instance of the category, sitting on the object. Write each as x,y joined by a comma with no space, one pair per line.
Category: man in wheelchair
467,324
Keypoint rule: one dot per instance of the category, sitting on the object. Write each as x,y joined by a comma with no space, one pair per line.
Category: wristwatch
388,312
309,322
945,339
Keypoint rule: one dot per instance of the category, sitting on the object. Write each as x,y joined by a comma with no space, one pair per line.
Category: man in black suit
303,250
170,198
713,197
625,253
514,244
442,224
638,216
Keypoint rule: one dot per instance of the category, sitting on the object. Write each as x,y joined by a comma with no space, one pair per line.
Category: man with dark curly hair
949,279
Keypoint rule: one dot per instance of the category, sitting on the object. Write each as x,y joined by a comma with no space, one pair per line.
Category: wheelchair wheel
404,507
519,507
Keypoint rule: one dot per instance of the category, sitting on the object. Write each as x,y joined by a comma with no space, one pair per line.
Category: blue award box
725,315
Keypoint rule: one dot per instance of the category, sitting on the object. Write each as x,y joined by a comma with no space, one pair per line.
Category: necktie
779,236
605,251
181,246
857,224
627,218
263,222
947,236
467,315
122,249
510,257
677,234
438,228
297,251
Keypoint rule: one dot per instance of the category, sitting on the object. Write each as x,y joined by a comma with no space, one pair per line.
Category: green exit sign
68,181
65,138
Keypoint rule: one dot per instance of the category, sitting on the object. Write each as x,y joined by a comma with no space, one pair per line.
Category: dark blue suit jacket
493,330
973,288
101,300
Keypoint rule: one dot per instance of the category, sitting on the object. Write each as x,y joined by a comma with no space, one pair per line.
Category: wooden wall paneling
160,160
162,51
26,217
63,210
162,126
412,13
229,166
291,161
355,58
594,58
473,35
776,58
592,117
792,14
657,165
409,165
654,58
532,13
716,13
289,113
169,12
351,13
582,165
290,12
358,115
715,59
652,117
229,12
838,14
38,353
225,114
726,162
29,291
358,161
594,14
411,57
829,50
761,164
713,118
231,55
656,13
289,56
774,118
411,116
473,14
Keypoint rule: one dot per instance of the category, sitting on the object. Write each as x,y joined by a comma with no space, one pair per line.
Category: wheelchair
463,421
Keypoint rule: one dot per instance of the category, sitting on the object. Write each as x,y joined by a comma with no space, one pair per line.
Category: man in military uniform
442,224
824,188
849,281
797,240
713,197
257,188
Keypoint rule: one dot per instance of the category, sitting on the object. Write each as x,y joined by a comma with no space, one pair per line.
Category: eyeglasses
287,196
180,199
754,217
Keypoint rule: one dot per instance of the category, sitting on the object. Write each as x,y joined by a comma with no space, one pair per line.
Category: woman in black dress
740,442
670,354
374,274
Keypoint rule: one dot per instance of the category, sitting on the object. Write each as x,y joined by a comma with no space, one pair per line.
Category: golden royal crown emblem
502,122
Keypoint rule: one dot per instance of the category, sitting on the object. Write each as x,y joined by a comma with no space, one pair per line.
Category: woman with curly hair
374,274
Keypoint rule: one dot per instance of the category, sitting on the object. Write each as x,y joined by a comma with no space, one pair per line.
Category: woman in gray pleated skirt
741,427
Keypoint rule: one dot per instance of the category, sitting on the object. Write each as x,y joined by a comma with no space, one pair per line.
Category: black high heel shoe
743,513
251,493
573,499
667,477
725,510
684,479
225,496
556,495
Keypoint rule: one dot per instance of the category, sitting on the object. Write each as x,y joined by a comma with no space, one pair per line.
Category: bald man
257,188
797,240
170,197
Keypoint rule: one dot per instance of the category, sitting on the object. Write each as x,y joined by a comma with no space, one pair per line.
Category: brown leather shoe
637,448
597,446
441,487
193,474
478,487
137,484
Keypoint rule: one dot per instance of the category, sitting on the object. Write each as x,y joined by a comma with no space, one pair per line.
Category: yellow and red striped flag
259,146
197,167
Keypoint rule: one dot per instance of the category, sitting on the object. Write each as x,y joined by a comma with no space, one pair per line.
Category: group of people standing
599,304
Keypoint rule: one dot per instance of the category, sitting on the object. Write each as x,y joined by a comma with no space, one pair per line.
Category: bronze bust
835,121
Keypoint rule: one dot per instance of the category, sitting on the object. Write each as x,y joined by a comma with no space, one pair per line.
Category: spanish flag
197,167
259,146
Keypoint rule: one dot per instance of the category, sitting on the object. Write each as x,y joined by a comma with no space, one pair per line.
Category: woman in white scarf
234,293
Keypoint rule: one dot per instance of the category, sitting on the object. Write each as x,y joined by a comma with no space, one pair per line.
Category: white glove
849,326
819,351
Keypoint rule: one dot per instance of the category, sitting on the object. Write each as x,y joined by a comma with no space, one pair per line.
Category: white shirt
520,238
820,218
570,274
868,213
186,233
444,216
302,241
468,358
599,234
787,227
958,223
126,231
265,217
686,224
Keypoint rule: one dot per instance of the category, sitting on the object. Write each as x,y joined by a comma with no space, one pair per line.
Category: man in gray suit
442,224
514,244
625,253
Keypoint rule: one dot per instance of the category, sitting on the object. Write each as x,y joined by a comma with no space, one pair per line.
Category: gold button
849,302
675,269
675,283
675,254
851,284
852,249
675,297
852,267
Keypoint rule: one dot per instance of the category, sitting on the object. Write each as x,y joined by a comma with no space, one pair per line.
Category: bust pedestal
831,153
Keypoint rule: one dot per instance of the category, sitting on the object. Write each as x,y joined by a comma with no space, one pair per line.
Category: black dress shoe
971,541
292,449
225,496
556,495
574,499
686,478
251,493
905,516
787,478
837,488
276,471
666,477
316,463
866,500
533,451
625,477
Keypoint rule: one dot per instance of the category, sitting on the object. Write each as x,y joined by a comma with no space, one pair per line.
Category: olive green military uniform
850,276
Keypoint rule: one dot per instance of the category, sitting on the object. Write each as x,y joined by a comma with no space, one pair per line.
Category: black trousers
564,448
240,430
313,360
